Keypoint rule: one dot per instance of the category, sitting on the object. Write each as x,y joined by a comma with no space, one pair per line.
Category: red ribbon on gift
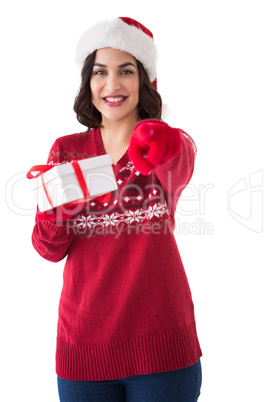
79,175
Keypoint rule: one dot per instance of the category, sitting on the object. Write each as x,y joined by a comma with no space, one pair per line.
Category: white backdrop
212,74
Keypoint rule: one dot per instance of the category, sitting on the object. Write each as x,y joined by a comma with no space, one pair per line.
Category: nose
113,82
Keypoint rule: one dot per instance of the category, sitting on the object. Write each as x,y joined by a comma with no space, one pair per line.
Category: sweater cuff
56,228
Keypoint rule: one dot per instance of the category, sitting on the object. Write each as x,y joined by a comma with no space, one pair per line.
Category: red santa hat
121,33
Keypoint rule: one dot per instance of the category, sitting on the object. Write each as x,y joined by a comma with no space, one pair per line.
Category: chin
117,116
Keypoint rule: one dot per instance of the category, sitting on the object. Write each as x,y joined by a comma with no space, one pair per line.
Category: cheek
135,88
94,87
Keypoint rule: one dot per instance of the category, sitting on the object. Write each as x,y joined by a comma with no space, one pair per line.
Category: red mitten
60,214
152,143
65,212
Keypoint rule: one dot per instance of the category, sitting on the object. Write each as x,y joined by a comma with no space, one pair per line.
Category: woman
126,329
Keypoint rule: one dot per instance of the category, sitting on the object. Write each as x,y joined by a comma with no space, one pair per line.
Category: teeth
114,99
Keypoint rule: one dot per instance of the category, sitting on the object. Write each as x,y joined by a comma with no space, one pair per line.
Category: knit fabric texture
126,306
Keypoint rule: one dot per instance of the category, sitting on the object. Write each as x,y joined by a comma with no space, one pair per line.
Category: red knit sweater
126,306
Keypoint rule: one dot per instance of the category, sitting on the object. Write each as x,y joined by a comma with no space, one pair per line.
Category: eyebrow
121,65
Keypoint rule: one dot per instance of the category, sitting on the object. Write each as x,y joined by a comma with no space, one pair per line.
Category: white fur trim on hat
118,34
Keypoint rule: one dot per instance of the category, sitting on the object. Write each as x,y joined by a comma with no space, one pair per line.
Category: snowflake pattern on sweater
140,203
122,211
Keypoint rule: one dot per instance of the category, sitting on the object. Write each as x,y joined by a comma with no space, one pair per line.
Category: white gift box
60,185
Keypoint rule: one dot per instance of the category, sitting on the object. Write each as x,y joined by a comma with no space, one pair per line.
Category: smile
114,100
119,99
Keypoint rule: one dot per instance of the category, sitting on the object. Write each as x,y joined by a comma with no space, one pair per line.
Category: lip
113,104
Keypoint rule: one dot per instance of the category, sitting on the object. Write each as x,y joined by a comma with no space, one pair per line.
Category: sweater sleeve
52,239
175,174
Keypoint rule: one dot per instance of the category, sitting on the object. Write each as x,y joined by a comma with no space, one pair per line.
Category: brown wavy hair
149,106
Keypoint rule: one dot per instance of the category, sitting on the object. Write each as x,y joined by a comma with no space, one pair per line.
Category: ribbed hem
99,142
165,351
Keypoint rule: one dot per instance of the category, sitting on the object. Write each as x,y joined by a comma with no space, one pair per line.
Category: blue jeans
181,385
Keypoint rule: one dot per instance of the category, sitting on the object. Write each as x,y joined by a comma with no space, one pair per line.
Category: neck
118,132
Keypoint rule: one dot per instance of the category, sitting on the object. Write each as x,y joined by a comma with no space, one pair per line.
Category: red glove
152,143
59,214
65,212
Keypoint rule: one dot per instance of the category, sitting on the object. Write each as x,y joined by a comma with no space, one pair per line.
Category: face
114,85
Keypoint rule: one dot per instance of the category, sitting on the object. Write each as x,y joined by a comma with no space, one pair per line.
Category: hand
153,142
60,214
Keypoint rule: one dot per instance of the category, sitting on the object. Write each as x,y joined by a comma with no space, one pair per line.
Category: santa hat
121,33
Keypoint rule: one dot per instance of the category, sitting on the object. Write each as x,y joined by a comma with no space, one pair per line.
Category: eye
126,72
99,72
